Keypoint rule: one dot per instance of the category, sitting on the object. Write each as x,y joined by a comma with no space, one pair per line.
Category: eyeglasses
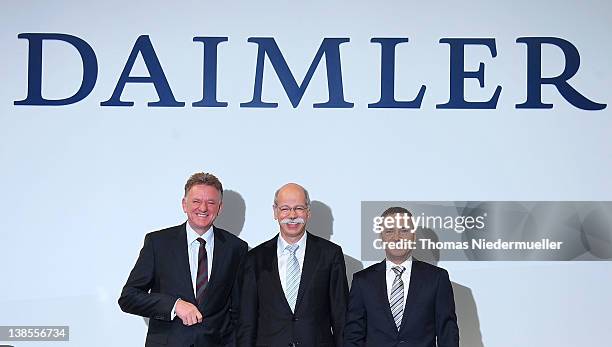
285,210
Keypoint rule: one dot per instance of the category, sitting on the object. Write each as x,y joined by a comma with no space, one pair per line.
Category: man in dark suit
401,301
184,277
293,287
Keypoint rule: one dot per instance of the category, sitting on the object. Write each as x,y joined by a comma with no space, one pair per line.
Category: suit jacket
266,318
429,311
161,276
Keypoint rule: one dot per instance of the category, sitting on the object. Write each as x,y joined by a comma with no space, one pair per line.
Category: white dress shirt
193,249
283,257
407,264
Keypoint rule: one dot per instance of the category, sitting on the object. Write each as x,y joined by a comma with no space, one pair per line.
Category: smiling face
291,210
202,205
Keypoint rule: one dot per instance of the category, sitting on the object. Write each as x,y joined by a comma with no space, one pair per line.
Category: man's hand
188,313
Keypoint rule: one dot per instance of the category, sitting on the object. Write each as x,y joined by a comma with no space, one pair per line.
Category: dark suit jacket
429,311
265,316
161,276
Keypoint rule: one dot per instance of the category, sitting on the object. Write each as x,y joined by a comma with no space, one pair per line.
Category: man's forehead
291,194
397,221
204,189
283,200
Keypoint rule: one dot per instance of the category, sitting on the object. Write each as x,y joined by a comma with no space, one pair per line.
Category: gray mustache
298,220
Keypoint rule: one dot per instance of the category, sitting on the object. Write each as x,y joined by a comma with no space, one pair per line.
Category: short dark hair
205,179
395,210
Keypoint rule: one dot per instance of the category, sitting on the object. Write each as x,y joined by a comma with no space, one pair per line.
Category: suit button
295,319
291,344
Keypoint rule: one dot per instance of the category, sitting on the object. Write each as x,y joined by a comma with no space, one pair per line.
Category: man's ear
220,208
275,212
184,204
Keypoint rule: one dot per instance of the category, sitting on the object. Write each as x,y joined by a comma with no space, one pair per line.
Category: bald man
293,288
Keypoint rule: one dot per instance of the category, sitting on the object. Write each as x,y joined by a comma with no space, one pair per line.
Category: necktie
397,296
202,278
292,276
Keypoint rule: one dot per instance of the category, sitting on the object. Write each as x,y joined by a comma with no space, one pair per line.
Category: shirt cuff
173,312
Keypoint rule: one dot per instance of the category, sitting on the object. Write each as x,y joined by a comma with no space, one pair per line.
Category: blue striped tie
397,296
292,276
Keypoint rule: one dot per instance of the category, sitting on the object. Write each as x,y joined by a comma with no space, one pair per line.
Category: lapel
271,266
413,292
311,259
181,254
380,284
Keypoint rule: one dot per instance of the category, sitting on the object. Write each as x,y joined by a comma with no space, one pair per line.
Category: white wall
82,184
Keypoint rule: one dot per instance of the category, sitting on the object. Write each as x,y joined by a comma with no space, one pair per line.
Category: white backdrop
82,184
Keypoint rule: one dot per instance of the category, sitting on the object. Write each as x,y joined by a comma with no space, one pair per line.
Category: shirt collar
192,235
281,244
407,264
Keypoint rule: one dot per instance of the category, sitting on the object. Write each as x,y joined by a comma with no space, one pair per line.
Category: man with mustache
293,287
183,280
